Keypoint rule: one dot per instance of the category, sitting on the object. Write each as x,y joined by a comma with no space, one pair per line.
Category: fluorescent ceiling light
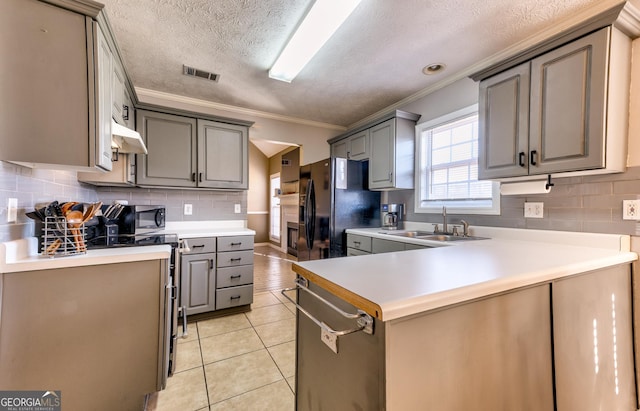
318,26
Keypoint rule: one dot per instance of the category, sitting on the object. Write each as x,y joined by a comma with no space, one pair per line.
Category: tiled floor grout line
204,373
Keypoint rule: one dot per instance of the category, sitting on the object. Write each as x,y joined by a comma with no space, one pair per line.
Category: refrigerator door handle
310,214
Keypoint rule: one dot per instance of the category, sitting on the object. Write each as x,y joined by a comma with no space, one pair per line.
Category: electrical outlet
533,210
237,209
12,210
630,210
188,209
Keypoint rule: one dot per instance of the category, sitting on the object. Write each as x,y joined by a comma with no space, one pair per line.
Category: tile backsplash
33,187
584,204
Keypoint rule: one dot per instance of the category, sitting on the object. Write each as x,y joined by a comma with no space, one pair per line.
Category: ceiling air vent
190,71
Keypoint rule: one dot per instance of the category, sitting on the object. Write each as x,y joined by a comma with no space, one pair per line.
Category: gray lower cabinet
234,283
54,87
363,245
188,152
106,318
198,278
217,273
557,112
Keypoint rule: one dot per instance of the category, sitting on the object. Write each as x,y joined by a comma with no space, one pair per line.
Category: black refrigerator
334,196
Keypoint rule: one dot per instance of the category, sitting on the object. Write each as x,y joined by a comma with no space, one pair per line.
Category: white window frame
274,236
453,206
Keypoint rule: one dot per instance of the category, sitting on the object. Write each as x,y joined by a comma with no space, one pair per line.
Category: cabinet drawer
386,246
359,242
234,296
233,258
243,242
354,251
200,245
232,276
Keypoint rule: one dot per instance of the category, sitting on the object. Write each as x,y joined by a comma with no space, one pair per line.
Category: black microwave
140,219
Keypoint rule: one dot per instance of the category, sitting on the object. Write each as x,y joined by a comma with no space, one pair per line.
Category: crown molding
168,99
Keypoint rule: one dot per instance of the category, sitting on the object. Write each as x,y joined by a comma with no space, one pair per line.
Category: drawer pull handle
236,244
237,297
356,242
235,259
198,246
235,276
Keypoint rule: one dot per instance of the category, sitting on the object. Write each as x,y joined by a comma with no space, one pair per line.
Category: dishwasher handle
364,321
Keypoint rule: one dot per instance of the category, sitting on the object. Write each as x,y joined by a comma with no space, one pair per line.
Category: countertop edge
352,298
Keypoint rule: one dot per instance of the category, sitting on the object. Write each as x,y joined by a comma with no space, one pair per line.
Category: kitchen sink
448,237
427,235
411,234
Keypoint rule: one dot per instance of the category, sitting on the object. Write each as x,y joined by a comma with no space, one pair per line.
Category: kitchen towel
526,187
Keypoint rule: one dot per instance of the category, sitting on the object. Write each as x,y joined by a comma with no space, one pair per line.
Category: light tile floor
242,361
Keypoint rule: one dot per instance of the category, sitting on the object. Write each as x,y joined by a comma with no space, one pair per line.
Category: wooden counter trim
363,304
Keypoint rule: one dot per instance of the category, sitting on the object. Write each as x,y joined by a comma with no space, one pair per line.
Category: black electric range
132,240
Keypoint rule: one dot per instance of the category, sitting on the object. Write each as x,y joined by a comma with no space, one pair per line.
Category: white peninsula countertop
390,286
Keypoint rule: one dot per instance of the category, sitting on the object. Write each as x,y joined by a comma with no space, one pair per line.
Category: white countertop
195,229
21,255
394,285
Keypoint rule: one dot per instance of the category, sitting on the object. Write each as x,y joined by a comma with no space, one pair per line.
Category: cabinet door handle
534,156
211,264
125,112
521,159
391,176
235,259
193,177
200,177
348,154
235,276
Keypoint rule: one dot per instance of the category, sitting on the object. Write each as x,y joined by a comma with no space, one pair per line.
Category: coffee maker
392,216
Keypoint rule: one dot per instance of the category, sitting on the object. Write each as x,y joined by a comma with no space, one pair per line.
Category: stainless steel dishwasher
351,378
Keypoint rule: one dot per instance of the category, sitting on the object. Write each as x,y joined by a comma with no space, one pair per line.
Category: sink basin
447,237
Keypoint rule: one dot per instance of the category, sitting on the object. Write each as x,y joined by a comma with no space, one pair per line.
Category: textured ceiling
372,62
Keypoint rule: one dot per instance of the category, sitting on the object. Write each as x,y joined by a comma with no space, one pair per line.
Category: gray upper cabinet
104,70
118,88
189,152
504,102
172,150
391,157
50,89
222,155
355,147
388,144
562,111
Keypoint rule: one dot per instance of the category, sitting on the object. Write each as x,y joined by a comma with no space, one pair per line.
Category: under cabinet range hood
126,140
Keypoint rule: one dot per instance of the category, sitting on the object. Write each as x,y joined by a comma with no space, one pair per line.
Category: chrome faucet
444,216
465,228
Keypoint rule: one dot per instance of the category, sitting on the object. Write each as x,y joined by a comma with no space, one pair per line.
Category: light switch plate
237,208
533,210
188,209
630,210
